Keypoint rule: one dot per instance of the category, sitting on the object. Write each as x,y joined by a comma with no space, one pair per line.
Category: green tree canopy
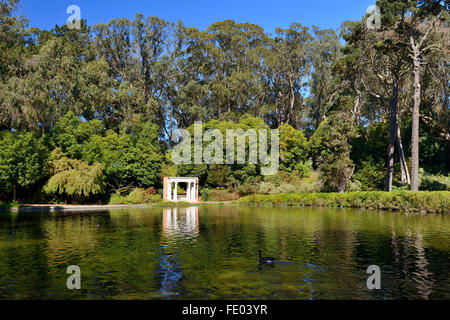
23,160
73,178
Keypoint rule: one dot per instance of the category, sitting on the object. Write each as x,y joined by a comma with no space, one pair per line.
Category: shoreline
99,207
403,201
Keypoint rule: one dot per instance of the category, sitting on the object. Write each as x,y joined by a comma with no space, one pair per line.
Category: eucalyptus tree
12,32
189,96
225,61
410,34
158,45
114,43
325,87
59,73
379,62
288,69
436,74
141,55
13,41
419,24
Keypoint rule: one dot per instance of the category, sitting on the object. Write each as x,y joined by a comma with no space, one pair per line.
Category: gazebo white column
169,190
188,191
175,196
192,193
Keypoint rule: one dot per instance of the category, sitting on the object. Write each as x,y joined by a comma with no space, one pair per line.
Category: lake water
212,253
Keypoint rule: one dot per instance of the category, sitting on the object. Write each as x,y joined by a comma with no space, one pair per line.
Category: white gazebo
171,189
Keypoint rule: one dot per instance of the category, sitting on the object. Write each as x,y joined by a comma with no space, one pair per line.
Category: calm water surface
212,253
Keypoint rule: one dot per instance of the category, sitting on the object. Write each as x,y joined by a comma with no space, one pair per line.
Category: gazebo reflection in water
177,223
180,222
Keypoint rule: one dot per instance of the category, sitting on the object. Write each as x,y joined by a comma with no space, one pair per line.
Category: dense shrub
117,198
151,191
438,201
330,148
222,195
276,180
284,182
354,185
369,177
137,196
293,150
246,189
310,187
430,182
310,184
286,188
267,188
205,194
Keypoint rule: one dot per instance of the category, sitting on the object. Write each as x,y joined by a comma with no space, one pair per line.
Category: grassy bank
422,201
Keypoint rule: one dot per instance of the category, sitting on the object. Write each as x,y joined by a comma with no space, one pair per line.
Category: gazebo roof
183,179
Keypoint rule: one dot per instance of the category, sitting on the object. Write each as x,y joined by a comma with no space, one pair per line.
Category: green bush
354,185
267,188
310,187
437,201
276,180
246,189
116,198
370,177
153,198
205,194
430,182
286,188
223,195
137,196
304,168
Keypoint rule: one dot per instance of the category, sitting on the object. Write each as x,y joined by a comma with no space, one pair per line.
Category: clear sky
269,14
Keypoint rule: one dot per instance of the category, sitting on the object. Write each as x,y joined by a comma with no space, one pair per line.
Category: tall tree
324,50
23,161
289,70
419,21
379,63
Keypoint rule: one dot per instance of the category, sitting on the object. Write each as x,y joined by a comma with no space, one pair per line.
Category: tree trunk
357,105
290,113
415,124
392,134
14,193
403,165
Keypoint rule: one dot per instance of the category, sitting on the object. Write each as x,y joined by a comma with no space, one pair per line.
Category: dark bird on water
265,260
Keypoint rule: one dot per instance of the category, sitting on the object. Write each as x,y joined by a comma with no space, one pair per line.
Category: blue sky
269,14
